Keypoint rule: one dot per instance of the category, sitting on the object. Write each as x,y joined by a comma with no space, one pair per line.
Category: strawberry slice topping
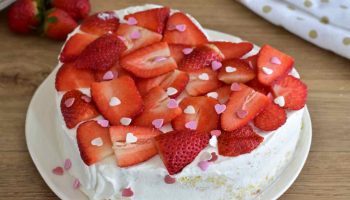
177,149
200,57
238,142
75,45
93,142
117,99
242,107
175,79
233,50
100,23
235,70
223,93
76,109
152,19
259,87
136,37
200,111
181,30
202,81
273,65
156,107
69,77
293,91
149,61
142,149
271,118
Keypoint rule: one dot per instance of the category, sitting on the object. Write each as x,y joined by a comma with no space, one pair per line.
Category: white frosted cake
178,133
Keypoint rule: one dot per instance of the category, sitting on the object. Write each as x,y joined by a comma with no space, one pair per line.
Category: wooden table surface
25,61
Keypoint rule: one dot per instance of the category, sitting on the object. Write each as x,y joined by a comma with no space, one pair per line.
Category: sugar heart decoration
279,101
86,99
235,87
160,58
127,192
76,183
125,121
103,122
230,69
108,76
213,95
187,51
190,110
214,157
132,21
242,113
275,60
69,102
203,76
130,138
213,141
192,125
97,142
169,180
215,65
220,108
180,27
67,164
171,91
203,165
58,171
172,103
114,101
216,133
267,71
158,123
135,35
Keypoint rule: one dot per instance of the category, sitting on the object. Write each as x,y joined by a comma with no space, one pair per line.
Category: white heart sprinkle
125,121
280,101
203,76
213,95
267,71
114,101
213,141
69,102
130,138
171,91
97,142
230,69
189,110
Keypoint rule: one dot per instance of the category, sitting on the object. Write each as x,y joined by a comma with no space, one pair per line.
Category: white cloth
325,23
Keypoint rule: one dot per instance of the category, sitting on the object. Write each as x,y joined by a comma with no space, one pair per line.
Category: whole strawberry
24,16
78,9
58,24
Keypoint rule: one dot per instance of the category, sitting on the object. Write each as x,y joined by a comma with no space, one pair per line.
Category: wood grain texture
25,61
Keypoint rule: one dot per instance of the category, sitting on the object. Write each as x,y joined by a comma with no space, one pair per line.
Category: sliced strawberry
177,149
223,93
75,45
252,61
200,111
101,54
149,61
293,90
93,142
259,87
200,57
202,81
175,79
76,109
114,72
233,50
140,151
69,77
177,51
273,65
117,99
181,30
235,70
136,37
242,107
271,118
238,142
156,107
100,23
152,19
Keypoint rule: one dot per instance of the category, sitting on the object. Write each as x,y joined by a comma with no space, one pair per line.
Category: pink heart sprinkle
220,108
132,21
181,27
108,76
169,180
270,96
242,113
58,171
67,164
86,99
69,102
135,35
235,87
159,59
102,122
216,133
127,192
215,65
192,125
187,51
76,183
203,165
158,123
214,157
172,103
275,60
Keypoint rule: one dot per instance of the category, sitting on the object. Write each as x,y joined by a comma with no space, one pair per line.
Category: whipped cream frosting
242,177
